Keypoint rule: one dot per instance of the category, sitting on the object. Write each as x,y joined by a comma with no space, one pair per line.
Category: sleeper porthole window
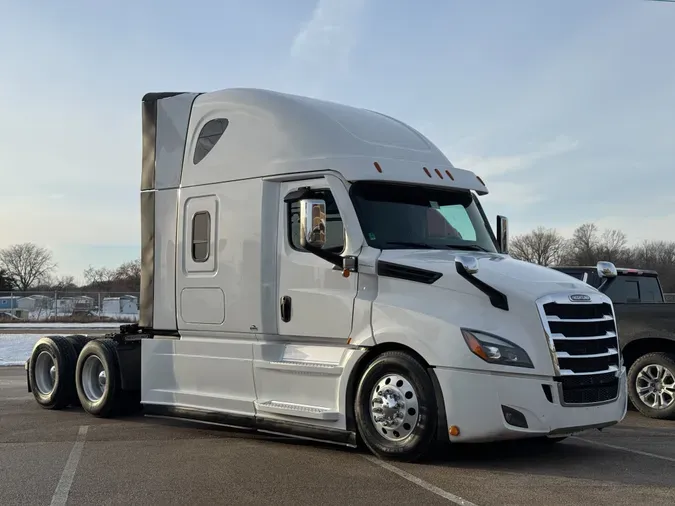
209,135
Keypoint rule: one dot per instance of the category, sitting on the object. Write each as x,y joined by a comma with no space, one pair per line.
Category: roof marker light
449,175
439,173
481,181
377,166
427,171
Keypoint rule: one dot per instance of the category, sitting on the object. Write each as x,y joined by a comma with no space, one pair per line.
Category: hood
502,272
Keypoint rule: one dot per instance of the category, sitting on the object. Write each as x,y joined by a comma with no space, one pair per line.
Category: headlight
496,350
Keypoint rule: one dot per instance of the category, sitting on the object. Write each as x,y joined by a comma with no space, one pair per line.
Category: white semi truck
324,272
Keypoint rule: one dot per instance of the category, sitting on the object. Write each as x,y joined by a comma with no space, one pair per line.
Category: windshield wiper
472,247
424,245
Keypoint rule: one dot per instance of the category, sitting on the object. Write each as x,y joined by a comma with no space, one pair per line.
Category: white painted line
420,482
638,452
63,488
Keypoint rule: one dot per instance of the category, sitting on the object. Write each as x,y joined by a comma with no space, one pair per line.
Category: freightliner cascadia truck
324,272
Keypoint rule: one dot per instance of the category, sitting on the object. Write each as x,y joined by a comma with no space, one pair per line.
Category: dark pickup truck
646,325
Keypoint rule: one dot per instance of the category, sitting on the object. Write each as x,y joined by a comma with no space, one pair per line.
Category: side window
624,290
208,137
335,234
650,290
201,236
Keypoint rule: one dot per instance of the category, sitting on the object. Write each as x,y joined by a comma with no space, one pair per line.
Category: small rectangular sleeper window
201,236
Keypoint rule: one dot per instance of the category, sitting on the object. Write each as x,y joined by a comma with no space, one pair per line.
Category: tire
51,372
411,437
99,398
79,341
653,364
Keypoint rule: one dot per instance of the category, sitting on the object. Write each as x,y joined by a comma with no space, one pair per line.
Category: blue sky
564,107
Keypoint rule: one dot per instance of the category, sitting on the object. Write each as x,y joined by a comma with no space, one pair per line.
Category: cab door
314,299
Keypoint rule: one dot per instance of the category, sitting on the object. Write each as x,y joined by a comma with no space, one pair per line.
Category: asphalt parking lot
69,457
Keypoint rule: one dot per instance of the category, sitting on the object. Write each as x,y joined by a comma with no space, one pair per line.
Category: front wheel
651,385
395,407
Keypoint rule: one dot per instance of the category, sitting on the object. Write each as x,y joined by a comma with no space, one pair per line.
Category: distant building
126,304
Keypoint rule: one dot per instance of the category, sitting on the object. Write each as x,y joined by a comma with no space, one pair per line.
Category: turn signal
454,430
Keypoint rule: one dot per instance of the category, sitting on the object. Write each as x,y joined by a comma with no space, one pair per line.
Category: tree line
589,245
26,267
29,267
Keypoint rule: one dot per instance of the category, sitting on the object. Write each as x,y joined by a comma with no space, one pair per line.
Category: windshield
395,216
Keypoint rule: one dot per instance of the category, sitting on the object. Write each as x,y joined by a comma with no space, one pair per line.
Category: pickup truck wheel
395,407
97,378
651,385
51,372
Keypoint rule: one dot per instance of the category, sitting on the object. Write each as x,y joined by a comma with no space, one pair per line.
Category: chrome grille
585,347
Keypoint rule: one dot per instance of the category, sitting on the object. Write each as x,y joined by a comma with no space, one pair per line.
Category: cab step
298,410
301,367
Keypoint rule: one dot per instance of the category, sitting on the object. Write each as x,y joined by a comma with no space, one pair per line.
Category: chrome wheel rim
655,386
394,407
94,379
45,373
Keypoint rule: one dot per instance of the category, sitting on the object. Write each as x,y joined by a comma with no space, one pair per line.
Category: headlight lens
496,350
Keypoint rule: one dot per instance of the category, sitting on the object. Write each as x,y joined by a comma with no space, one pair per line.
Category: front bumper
474,402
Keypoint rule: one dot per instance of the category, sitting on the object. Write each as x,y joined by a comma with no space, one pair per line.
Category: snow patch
48,325
15,349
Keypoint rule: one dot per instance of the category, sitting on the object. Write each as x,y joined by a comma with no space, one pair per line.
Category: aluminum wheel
94,378
394,407
45,373
655,385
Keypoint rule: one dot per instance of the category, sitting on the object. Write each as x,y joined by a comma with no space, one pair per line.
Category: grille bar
585,347
555,318
608,353
561,337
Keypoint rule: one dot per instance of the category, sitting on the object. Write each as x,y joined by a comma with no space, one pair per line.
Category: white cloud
486,166
55,222
326,41
637,230
512,195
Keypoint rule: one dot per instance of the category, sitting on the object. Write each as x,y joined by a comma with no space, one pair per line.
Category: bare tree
26,263
541,246
584,245
126,277
63,283
6,282
612,245
99,277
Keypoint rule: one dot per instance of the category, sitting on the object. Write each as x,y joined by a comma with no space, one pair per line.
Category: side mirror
469,263
606,270
312,223
503,234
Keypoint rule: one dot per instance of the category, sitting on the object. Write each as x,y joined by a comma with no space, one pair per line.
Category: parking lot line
420,482
63,487
615,447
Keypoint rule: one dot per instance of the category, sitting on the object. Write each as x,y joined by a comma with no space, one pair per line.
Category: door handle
286,308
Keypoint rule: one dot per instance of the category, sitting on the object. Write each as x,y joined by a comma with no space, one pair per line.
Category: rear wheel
396,407
97,378
651,385
79,341
51,371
